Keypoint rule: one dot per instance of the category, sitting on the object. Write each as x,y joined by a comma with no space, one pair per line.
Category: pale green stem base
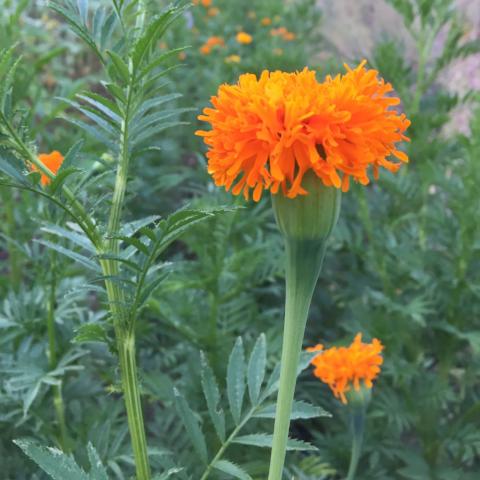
357,422
125,337
304,261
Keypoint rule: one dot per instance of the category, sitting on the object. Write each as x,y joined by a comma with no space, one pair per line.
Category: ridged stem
304,261
123,321
357,423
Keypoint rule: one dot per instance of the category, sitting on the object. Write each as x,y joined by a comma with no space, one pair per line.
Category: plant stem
228,441
15,267
357,421
123,321
52,357
304,261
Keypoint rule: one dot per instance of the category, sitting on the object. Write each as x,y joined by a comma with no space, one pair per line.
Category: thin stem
357,422
304,261
52,357
15,265
227,443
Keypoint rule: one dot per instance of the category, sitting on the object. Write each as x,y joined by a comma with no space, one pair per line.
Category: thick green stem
357,422
133,405
304,261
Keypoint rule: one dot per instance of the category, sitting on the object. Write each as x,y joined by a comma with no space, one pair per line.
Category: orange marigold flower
53,161
266,21
206,3
213,12
343,367
289,36
244,38
278,32
206,48
268,132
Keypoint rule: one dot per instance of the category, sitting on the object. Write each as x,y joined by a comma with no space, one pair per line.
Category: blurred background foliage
402,266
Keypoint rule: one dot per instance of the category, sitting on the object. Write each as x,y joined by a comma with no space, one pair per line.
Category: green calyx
308,217
358,399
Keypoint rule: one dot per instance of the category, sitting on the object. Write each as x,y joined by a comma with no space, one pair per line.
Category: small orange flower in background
53,161
213,12
344,367
284,33
206,3
206,48
233,59
266,21
244,38
268,132
182,56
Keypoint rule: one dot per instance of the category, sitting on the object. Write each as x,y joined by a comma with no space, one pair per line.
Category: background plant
405,272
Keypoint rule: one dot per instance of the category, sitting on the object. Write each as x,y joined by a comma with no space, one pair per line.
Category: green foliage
84,79
239,378
59,466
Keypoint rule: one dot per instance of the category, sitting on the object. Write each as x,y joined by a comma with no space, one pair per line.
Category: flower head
53,161
214,41
343,367
233,59
266,21
244,38
213,12
268,132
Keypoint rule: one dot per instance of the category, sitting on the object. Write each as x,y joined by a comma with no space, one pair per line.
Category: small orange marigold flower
278,32
206,3
53,161
289,36
343,367
214,41
266,21
244,38
213,12
268,132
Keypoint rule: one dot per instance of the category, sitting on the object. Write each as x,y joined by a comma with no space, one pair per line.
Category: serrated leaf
265,440
97,469
82,259
300,409
12,167
71,155
90,332
256,368
236,380
131,228
192,426
230,468
77,238
150,35
53,461
121,67
212,397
